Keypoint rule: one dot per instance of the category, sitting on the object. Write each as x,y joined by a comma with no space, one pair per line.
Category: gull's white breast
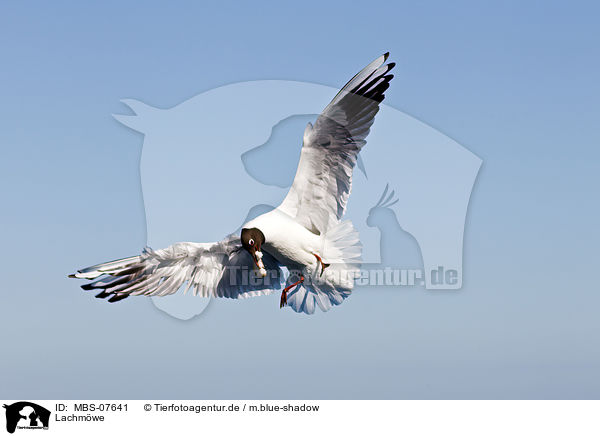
289,242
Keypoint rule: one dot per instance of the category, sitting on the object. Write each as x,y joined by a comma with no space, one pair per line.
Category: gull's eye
251,242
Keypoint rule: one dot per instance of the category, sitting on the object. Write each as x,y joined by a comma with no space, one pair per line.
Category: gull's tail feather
342,250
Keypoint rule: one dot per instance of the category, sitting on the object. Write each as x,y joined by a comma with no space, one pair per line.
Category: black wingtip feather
103,294
377,93
113,297
117,297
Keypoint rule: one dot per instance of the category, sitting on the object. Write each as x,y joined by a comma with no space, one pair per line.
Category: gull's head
252,240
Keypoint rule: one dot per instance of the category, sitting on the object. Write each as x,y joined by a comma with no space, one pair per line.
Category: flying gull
305,234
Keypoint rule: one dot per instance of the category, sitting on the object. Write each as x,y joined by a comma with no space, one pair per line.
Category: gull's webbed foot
283,300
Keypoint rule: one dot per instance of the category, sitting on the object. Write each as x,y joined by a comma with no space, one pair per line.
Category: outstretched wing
323,181
219,269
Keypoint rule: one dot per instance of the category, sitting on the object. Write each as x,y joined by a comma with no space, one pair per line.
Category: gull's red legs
283,300
323,265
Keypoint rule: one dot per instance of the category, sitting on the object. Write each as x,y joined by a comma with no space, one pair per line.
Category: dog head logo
26,415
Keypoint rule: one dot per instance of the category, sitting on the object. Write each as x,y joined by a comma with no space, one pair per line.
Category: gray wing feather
323,181
220,269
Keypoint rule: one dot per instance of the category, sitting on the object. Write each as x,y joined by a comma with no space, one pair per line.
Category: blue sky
516,83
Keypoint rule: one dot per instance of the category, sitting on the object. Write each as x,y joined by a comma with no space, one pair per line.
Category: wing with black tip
319,193
219,269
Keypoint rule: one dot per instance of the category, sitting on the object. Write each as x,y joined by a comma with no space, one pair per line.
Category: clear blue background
516,83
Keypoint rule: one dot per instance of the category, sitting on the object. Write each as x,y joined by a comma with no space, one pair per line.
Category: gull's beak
259,263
